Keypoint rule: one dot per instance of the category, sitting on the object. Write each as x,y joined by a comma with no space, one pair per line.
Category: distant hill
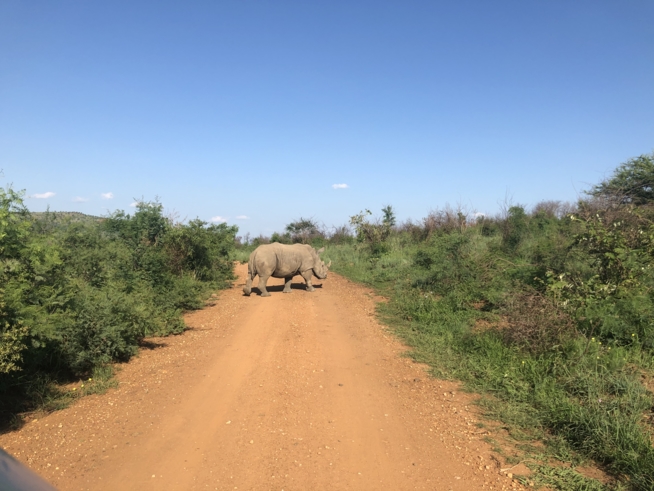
64,217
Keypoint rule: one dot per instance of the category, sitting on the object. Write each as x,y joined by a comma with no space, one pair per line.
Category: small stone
509,475
251,441
228,423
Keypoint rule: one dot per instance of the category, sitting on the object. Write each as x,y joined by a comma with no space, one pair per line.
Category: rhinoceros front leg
307,275
287,285
262,285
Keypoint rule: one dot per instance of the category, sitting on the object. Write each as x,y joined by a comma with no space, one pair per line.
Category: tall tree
303,230
632,182
389,216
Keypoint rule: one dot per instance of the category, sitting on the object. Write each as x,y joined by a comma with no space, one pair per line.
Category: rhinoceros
284,261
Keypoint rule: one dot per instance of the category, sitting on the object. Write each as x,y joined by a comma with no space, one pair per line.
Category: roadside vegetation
80,292
548,312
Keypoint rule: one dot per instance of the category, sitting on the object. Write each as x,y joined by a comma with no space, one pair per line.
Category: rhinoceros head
320,268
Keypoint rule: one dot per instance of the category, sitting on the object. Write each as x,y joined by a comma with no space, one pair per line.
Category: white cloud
107,195
340,186
135,204
79,199
47,195
480,214
242,217
218,219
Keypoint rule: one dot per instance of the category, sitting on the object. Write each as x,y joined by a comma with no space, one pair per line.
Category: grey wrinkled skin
284,261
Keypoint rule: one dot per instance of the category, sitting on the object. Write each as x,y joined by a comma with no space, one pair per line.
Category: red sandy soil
294,392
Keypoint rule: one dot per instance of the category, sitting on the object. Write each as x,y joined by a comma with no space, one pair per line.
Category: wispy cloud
79,199
47,195
340,186
107,195
479,214
134,205
242,217
218,219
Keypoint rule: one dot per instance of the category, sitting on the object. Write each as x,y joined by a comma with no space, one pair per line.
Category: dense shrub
76,294
14,278
551,312
535,323
514,228
341,235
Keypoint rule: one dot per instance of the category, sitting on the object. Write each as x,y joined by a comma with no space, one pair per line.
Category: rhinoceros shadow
279,288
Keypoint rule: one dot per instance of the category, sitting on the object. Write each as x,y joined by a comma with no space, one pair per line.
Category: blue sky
233,109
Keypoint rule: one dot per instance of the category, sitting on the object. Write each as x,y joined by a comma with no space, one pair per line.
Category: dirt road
301,391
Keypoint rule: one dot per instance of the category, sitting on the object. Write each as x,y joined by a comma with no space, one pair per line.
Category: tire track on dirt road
290,392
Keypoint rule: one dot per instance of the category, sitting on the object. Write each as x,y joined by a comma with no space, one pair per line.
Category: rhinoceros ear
321,250
330,263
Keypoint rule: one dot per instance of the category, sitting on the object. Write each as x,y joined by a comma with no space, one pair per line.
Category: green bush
76,294
14,278
514,228
550,315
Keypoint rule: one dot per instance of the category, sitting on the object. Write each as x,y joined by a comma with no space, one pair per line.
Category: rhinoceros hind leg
262,286
287,285
247,289
307,277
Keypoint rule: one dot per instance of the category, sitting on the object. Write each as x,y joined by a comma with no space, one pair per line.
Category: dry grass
535,323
